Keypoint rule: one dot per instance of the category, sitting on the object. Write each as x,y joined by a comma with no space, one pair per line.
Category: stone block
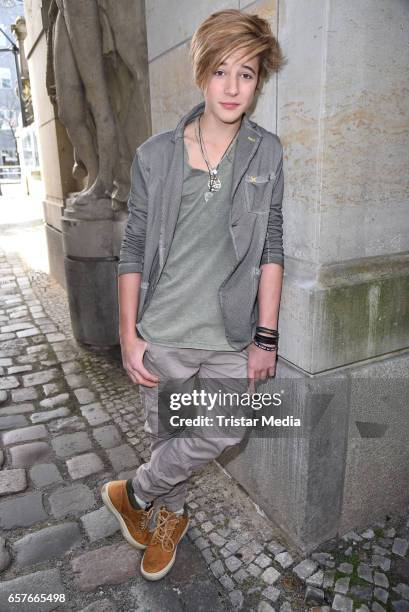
71,444
39,378
16,409
11,421
107,436
161,37
8,382
26,455
22,511
19,369
70,367
81,466
28,333
46,544
24,434
84,395
76,380
305,568
100,524
57,400
71,500
73,423
270,575
44,417
122,457
114,564
44,474
13,327
51,388
95,414
24,395
12,481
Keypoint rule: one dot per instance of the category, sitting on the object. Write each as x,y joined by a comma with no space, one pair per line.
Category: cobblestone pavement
70,421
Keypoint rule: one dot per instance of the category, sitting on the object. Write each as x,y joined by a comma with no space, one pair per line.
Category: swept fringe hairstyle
225,32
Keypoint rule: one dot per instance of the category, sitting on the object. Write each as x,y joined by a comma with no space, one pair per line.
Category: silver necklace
214,183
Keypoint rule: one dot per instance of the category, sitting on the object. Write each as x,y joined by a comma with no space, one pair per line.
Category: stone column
55,150
342,116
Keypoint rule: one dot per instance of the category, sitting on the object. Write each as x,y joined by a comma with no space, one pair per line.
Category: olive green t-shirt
184,310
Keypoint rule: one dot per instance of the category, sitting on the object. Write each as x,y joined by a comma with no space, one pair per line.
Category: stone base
56,255
93,301
95,210
91,267
348,464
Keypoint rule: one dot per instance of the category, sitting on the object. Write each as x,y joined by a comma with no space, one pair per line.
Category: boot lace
144,518
165,526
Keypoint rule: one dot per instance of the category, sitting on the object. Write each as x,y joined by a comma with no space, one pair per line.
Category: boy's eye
247,75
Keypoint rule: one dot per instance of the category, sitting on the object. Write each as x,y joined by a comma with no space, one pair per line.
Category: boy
200,269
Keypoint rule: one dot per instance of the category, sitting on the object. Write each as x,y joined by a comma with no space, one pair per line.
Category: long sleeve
132,250
273,251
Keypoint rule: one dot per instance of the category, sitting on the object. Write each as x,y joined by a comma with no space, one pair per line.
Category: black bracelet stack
266,342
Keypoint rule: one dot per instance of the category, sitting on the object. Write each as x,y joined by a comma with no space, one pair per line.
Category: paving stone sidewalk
70,421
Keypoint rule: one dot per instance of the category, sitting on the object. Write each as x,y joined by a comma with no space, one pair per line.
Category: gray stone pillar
343,120
91,252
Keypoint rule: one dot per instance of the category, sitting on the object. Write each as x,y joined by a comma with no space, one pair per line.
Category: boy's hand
261,364
133,350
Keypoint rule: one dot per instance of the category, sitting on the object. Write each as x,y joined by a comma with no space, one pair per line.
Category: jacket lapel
173,186
171,199
248,141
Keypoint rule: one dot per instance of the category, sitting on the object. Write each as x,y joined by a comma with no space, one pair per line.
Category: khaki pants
175,457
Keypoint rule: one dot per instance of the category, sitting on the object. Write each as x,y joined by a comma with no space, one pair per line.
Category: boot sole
158,575
125,532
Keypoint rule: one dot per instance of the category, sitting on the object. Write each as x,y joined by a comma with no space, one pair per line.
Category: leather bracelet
265,339
273,332
265,348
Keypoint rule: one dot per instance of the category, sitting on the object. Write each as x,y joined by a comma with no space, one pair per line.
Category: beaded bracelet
265,348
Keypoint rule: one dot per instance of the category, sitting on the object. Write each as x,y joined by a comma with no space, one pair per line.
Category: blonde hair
223,33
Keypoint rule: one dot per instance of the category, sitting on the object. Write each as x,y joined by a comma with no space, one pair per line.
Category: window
5,78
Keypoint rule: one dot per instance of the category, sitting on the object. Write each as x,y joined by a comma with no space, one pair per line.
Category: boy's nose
231,87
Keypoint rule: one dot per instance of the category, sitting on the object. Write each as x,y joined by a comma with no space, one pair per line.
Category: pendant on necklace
214,183
208,195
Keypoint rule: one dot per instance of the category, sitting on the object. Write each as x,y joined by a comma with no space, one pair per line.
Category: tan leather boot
160,554
134,522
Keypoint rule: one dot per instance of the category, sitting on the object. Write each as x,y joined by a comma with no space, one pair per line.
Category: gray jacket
255,219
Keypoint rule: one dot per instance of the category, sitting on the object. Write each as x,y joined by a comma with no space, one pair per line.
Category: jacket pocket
258,191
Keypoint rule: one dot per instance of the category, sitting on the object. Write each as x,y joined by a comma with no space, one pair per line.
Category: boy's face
230,89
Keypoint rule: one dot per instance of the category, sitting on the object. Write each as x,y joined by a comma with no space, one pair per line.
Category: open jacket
255,218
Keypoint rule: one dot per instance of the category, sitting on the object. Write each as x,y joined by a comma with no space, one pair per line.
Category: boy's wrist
128,334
